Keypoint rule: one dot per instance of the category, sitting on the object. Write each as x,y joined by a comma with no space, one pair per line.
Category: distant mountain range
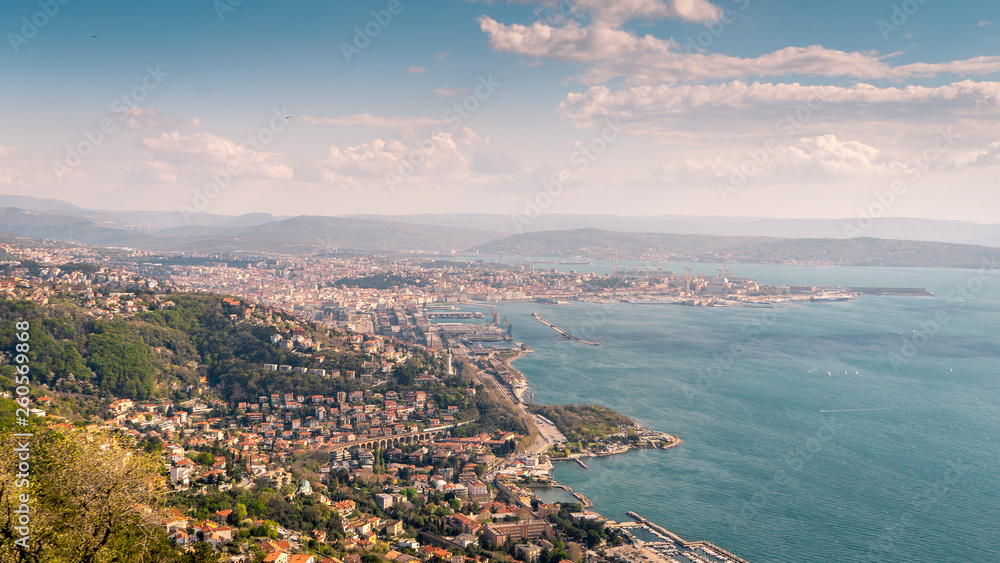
609,245
889,242
295,235
962,232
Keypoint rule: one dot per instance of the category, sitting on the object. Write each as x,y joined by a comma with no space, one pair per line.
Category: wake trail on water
852,410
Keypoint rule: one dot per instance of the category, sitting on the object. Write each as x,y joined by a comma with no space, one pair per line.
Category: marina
672,547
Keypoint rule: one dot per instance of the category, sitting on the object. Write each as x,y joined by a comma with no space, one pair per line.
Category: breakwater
564,334
667,534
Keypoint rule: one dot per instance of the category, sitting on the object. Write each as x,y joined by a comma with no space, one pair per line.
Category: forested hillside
168,348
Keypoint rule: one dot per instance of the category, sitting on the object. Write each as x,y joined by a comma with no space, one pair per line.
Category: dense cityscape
499,281
415,440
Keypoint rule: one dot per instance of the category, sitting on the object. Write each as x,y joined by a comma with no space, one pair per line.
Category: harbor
671,548
454,315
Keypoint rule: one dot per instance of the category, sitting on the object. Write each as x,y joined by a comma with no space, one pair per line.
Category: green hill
596,244
162,352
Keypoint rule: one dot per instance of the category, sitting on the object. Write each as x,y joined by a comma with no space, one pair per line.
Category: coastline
655,552
674,442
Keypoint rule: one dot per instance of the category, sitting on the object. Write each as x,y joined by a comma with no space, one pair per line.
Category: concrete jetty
564,334
665,533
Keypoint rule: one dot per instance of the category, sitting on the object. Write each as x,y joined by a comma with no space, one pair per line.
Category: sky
780,108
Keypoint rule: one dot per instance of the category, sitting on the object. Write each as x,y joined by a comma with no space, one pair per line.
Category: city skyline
683,107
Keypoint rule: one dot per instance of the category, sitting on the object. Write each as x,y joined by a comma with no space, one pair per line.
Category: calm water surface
857,431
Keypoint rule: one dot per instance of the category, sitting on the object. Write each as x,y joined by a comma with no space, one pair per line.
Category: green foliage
94,498
583,423
238,514
261,503
154,354
152,445
585,531
124,367
82,267
495,415
407,373
201,458
202,553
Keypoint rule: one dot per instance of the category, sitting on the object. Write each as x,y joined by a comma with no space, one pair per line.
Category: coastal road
545,436
548,435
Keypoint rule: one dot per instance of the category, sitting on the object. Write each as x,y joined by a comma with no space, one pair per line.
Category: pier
580,461
564,334
689,545
583,500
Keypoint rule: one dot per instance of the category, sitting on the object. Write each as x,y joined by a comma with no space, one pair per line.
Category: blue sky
730,107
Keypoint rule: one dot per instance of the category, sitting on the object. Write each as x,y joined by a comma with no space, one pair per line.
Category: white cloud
824,155
699,107
443,157
611,52
151,171
617,12
200,146
449,92
984,23
202,153
369,120
983,157
141,118
416,70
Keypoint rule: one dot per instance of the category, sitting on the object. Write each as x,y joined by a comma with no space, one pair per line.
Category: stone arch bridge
385,442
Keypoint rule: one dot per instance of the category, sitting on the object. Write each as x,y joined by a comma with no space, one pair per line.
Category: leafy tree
94,498
124,367
202,553
238,514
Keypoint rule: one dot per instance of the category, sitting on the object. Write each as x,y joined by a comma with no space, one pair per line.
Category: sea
855,431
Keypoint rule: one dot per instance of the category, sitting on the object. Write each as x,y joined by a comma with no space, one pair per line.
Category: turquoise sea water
855,431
